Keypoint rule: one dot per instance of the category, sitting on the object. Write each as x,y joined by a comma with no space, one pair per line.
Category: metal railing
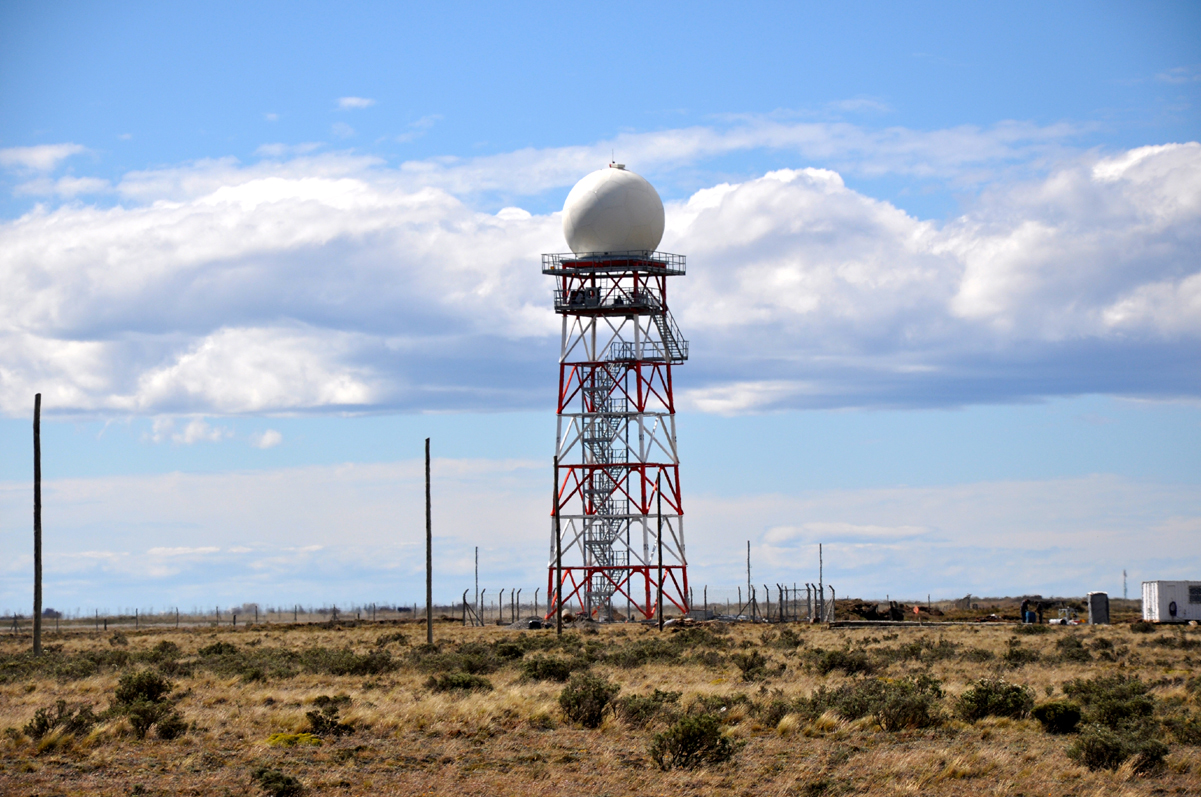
639,260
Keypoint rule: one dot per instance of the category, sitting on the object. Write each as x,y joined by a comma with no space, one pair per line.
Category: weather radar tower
616,437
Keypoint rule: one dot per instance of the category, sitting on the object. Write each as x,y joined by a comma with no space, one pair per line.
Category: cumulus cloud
334,282
41,158
355,103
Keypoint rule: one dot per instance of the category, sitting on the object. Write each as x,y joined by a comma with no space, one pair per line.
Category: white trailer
1171,601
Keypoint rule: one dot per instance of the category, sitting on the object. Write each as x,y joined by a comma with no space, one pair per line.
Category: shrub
276,783
72,720
640,710
896,704
1142,627
691,742
1032,628
546,668
1185,728
1058,717
171,726
1100,747
163,651
586,698
1114,701
218,649
324,720
655,650
343,661
1072,649
458,682
147,685
1018,656
995,697
142,697
978,655
753,665
851,662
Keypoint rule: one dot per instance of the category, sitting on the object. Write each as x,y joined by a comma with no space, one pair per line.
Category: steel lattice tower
616,436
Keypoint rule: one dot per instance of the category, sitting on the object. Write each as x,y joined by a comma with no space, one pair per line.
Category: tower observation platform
617,488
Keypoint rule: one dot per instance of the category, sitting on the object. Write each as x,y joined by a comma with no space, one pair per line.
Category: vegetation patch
691,742
275,783
1058,716
995,697
640,710
293,740
587,698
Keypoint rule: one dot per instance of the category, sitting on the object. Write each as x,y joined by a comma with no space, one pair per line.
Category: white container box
1171,601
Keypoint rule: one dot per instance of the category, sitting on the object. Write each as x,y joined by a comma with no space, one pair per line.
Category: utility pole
37,524
429,554
821,587
478,615
558,593
748,579
1124,596
659,513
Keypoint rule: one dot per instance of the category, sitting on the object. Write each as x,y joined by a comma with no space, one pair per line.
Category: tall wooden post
558,593
429,555
37,524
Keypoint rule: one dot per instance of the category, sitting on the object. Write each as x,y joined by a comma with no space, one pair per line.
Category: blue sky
943,292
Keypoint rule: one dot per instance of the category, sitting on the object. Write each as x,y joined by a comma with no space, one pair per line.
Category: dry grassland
409,739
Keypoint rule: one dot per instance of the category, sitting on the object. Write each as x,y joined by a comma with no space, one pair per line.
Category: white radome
613,210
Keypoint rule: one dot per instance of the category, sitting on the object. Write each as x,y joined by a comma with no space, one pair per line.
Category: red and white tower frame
616,437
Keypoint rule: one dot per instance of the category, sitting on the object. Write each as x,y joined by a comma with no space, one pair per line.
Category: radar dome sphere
613,210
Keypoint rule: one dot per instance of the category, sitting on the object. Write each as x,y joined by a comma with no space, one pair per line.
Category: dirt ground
409,738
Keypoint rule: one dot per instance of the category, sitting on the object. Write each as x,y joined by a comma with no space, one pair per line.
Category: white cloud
41,158
266,439
64,186
341,130
419,128
355,103
271,117
287,150
1180,75
335,282
195,431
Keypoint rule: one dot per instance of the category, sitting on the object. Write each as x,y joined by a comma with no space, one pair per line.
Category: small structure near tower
616,435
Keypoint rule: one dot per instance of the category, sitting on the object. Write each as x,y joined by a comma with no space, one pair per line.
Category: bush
851,662
691,742
978,655
1058,717
1114,701
586,698
218,649
343,661
1100,747
896,704
1142,627
995,697
293,740
1072,649
1185,728
171,726
324,720
640,710
72,720
1018,656
276,783
458,682
1032,628
147,685
753,665
546,668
